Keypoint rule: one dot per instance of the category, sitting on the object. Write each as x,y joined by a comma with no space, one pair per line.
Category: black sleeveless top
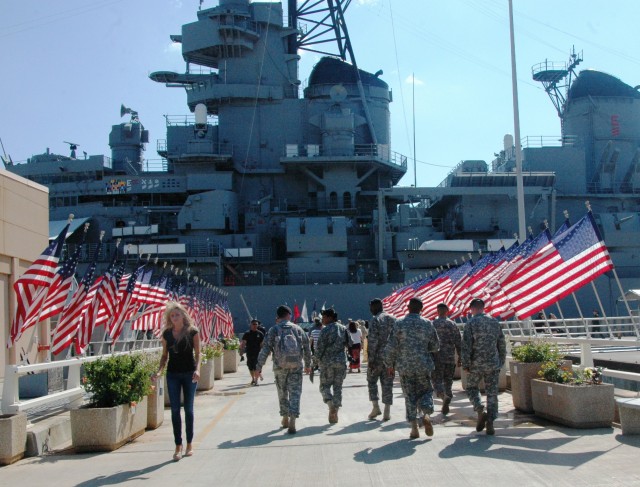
181,357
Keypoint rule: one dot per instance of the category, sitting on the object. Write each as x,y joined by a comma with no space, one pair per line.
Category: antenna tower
557,78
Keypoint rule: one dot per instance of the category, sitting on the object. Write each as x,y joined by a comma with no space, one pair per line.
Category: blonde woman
181,348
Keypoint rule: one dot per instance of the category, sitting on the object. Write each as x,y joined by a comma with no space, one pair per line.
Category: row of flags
46,290
516,282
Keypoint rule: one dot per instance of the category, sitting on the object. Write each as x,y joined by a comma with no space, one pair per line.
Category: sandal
177,455
188,452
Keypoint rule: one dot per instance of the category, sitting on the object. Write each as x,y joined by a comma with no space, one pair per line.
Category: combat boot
375,412
428,427
490,429
333,415
415,432
387,412
292,425
445,405
482,420
285,422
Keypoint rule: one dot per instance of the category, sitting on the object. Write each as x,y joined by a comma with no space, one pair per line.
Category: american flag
31,287
125,307
86,323
574,258
429,306
69,323
58,291
396,303
107,294
459,295
224,321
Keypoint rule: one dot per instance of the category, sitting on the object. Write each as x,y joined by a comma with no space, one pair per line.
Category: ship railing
381,152
537,141
188,119
616,331
155,165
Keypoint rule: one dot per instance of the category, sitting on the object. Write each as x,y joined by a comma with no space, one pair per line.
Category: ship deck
238,442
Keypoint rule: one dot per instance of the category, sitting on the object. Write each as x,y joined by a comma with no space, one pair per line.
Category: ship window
333,200
346,200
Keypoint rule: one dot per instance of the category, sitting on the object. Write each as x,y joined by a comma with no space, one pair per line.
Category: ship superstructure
263,181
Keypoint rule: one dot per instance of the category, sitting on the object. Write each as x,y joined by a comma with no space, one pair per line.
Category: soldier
484,352
332,359
289,345
445,359
380,329
408,350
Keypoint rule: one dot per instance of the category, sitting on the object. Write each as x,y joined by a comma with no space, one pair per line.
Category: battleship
284,194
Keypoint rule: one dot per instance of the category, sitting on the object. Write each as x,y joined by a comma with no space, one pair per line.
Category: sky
67,66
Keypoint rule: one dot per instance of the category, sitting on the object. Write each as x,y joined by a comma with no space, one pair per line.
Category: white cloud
368,2
411,80
173,47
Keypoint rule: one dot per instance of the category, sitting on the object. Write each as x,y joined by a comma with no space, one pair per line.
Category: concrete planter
205,383
574,406
13,437
502,381
107,429
521,375
155,406
218,367
231,361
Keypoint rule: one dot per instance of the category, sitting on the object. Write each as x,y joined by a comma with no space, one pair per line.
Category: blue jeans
181,382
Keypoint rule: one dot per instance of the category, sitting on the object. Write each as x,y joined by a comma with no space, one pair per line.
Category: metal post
626,303
522,227
604,315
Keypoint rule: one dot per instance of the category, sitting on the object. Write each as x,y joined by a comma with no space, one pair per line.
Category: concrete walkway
239,442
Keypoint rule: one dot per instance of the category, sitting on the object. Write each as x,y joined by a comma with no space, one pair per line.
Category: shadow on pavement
629,440
269,437
359,427
389,452
121,477
539,451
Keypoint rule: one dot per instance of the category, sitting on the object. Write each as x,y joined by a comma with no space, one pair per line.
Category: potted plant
206,380
117,413
577,399
155,399
218,360
231,354
13,437
526,363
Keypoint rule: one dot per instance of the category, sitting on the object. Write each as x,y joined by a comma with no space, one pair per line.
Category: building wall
24,233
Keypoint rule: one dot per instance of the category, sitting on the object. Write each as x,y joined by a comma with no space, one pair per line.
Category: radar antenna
134,115
557,78
73,147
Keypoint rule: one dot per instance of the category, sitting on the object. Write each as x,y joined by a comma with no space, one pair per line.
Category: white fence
73,392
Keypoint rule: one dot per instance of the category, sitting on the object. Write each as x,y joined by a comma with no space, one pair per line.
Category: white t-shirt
356,337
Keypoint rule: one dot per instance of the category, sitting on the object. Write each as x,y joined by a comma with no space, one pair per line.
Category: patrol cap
442,305
329,312
282,311
476,303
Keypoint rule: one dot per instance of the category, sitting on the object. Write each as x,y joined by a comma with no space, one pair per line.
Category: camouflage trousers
442,378
491,378
289,387
418,394
331,377
379,372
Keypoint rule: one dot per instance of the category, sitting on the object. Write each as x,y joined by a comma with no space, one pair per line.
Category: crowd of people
424,353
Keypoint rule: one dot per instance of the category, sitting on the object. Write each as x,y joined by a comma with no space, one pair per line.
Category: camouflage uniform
380,328
288,381
332,359
484,352
445,358
409,351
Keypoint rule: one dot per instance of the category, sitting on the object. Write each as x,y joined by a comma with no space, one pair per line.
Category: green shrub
553,371
232,343
119,379
538,351
211,350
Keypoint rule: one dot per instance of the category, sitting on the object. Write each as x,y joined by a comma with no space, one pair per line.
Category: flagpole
522,229
626,303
